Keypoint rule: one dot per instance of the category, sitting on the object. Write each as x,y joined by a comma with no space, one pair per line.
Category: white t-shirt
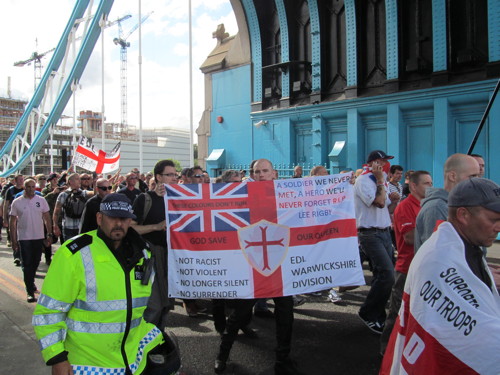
368,215
29,214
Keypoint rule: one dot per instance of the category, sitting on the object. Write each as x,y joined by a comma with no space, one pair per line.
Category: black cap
378,154
117,205
475,192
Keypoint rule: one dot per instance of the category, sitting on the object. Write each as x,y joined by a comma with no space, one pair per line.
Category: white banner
87,157
262,239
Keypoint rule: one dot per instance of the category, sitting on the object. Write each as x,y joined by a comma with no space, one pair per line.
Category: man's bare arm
55,219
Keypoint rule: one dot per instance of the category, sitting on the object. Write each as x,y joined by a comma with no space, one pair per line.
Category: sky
32,25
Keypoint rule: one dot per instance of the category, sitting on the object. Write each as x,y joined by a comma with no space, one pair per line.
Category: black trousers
283,313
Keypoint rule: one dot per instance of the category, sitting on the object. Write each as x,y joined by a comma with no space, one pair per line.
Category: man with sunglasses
130,190
86,181
195,175
89,220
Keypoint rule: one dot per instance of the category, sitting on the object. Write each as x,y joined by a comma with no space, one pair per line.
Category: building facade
57,151
325,82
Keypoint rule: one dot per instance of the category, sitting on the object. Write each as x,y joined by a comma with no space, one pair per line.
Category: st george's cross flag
261,239
449,321
87,157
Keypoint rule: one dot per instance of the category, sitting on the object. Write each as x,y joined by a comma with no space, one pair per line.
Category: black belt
373,229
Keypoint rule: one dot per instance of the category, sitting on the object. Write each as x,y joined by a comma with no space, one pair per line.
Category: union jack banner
185,214
261,239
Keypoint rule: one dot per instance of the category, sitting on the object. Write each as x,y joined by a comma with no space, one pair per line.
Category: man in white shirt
373,206
28,214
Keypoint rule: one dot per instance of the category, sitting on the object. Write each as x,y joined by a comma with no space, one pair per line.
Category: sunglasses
42,179
104,188
84,179
198,175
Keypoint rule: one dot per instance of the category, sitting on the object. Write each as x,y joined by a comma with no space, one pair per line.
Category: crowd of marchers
109,274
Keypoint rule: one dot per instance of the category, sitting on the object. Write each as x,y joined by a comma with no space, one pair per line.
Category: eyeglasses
104,188
198,175
167,174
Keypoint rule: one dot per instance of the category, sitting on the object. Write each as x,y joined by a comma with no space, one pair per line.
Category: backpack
74,204
148,202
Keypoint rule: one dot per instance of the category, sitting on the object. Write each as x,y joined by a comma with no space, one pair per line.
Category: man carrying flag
449,322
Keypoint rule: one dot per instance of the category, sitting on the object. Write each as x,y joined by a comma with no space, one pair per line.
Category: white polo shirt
29,214
368,215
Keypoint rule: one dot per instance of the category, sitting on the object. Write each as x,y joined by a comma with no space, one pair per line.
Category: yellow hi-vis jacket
91,308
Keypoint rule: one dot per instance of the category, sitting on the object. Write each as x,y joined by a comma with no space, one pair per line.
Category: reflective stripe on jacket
83,308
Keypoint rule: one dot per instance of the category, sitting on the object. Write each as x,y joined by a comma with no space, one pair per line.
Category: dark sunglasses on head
104,188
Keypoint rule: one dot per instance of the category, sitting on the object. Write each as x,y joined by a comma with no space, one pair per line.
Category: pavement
327,339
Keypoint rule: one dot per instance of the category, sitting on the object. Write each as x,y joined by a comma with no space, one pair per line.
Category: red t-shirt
405,217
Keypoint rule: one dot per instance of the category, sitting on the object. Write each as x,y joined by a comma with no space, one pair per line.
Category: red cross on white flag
87,157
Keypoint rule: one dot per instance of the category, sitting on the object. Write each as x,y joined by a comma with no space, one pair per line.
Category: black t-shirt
155,215
474,257
11,193
131,194
5,188
89,220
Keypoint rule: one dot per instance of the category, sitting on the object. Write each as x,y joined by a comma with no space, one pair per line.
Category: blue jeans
31,253
377,246
68,233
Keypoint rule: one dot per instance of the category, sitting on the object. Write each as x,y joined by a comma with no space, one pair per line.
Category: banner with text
94,160
261,239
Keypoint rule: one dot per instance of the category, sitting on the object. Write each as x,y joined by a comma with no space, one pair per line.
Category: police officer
89,318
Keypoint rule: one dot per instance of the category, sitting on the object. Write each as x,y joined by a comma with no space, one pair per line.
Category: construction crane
122,42
36,58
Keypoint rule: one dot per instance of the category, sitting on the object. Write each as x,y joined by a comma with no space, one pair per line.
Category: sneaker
31,298
343,289
17,262
333,296
375,327
298,301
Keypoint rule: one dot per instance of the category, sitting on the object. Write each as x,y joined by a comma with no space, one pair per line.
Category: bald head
263,170
459,167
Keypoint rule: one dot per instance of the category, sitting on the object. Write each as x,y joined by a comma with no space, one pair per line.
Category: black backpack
74,204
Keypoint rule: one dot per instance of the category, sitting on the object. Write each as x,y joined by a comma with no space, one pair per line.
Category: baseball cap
378,154
475,191
117,205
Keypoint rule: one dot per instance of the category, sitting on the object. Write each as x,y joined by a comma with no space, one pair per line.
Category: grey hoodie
434,207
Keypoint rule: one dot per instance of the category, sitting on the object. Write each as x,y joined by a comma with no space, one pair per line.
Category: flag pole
191,147
140,91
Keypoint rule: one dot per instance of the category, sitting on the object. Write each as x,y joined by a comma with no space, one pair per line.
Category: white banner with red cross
87,157
261,239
